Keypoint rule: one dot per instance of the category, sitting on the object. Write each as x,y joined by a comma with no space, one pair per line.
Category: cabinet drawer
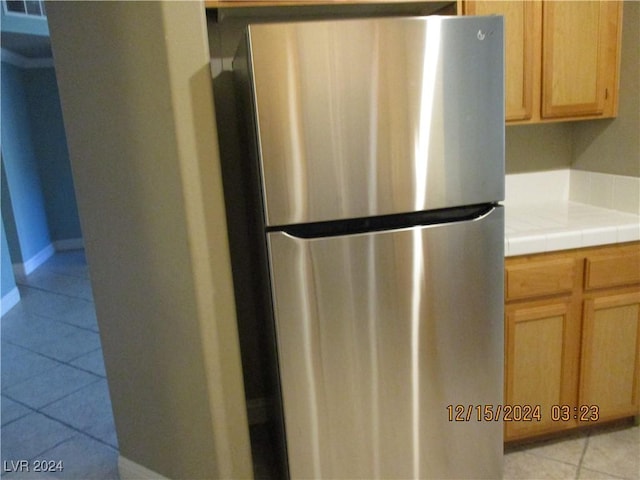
613,269
535,279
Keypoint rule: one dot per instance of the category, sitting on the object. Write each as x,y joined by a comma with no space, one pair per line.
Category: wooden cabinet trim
539,319
552,44
538,278
522,36
619,348
553,90
612,269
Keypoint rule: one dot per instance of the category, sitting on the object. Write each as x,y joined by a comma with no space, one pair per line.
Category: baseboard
133,471
21,270
68,244
9,300
25,62
258,410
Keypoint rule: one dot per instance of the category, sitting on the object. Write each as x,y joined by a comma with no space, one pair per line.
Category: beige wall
613,146
532,148
136,96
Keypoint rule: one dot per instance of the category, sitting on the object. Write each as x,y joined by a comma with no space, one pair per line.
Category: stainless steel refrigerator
379,159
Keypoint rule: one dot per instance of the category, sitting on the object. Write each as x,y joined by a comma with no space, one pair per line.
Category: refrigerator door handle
386,222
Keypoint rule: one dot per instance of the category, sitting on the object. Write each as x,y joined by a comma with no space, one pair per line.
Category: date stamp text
522,413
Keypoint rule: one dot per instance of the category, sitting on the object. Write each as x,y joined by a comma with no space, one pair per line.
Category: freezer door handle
385,222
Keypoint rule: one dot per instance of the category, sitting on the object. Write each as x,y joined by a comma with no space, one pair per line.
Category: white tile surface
580,186
523,244
563,240
626,194
628,233
601,193
599,236
543,227
617,192
551,187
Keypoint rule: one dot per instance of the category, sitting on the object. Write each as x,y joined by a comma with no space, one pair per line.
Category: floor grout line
53,292
39,455
584,451
62,362
65,322
39,410
77,430
48,271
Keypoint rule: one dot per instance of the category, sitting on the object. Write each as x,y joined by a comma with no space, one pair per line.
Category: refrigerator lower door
380,336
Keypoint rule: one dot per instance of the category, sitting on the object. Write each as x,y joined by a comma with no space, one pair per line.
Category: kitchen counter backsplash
565,209
616,192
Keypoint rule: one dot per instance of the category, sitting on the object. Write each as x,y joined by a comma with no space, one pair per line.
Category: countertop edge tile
628,233
544,227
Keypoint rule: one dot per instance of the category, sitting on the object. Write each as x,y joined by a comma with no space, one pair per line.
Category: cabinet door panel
575,51
613,268
540,364
522,23
611,355
535,279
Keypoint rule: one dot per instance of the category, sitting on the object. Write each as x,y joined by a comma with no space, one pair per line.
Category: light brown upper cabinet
522,47
562,57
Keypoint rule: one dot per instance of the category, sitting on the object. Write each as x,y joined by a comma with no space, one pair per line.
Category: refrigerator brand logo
481,35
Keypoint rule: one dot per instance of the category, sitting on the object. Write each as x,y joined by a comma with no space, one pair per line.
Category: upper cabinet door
579,48
522,29
562,57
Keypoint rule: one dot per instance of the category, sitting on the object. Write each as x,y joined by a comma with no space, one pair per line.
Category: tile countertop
539,227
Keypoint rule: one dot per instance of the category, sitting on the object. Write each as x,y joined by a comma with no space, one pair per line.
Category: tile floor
607,452
55,401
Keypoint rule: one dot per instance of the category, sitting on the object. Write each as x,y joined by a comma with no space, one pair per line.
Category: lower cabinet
610,362
541,365
572,334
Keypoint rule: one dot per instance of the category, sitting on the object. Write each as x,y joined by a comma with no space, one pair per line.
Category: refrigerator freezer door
359,118
380,336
